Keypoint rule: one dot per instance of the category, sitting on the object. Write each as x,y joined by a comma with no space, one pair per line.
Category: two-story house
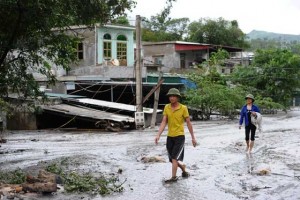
105,53
179,56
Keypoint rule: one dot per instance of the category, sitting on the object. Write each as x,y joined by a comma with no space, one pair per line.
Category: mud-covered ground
219,166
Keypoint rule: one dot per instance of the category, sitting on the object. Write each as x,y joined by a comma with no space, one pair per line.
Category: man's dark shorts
175,147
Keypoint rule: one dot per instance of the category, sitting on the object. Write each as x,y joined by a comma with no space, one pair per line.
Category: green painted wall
114,32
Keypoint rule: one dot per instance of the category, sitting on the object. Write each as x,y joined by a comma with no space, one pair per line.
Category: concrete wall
108,72
89,49
171,58
21,120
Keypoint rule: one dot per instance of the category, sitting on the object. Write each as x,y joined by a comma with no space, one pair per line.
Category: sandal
185,174
173,179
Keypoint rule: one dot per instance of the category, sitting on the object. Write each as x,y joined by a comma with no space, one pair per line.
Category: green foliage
75,182
211,67
54,168
4,106
212,93
121,21
267,103
162,28
13,177
33,37
213,97
274,74
218,58
218,32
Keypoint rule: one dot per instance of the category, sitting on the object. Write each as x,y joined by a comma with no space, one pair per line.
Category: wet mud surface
219,166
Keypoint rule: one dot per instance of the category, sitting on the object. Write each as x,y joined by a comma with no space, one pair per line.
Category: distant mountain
272,36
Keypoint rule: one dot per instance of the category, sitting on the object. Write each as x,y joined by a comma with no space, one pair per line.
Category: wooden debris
3,140
44,182
40,187
44,177
18,189
263,172
152,159
47,176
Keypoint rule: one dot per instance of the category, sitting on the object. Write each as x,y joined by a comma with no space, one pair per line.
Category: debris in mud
44,183
86,182
40,187
239,144
260,188
3,140
263,172
152,159
15,151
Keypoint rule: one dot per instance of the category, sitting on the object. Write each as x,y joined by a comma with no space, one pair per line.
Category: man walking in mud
175,114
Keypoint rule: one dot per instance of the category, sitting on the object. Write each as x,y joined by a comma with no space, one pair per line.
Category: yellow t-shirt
176,119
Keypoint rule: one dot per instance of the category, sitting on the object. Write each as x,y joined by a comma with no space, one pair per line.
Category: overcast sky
279,16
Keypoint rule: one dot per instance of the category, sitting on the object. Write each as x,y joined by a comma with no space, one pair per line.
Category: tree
33,37
212,93
213,97
210,67
218,32
162,28
263,44
274,74
122,20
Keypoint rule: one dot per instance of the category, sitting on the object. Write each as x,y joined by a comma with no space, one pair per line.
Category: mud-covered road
219,166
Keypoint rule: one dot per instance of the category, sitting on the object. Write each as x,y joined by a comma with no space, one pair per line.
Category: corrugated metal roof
63,95
114,105
87,113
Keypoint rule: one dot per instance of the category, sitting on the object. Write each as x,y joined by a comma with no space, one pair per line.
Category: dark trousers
250,128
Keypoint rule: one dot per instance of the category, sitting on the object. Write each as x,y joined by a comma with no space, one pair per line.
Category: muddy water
219,166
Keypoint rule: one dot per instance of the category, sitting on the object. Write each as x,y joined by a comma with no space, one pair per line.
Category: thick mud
219,165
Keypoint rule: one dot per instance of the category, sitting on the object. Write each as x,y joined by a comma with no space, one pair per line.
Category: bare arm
190,127
161,128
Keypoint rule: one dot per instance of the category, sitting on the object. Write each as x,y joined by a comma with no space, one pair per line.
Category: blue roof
188,83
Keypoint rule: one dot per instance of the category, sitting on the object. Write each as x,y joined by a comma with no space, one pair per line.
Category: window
158,60
182,60
80,50
121,38
122,49
107,46
107,50
107,36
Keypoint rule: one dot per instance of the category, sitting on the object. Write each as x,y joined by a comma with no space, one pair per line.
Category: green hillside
272,36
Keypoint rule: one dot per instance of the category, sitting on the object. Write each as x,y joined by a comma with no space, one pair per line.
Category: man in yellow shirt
175,114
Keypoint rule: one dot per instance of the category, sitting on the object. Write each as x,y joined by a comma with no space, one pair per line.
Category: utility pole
138,71
156,99
139,115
